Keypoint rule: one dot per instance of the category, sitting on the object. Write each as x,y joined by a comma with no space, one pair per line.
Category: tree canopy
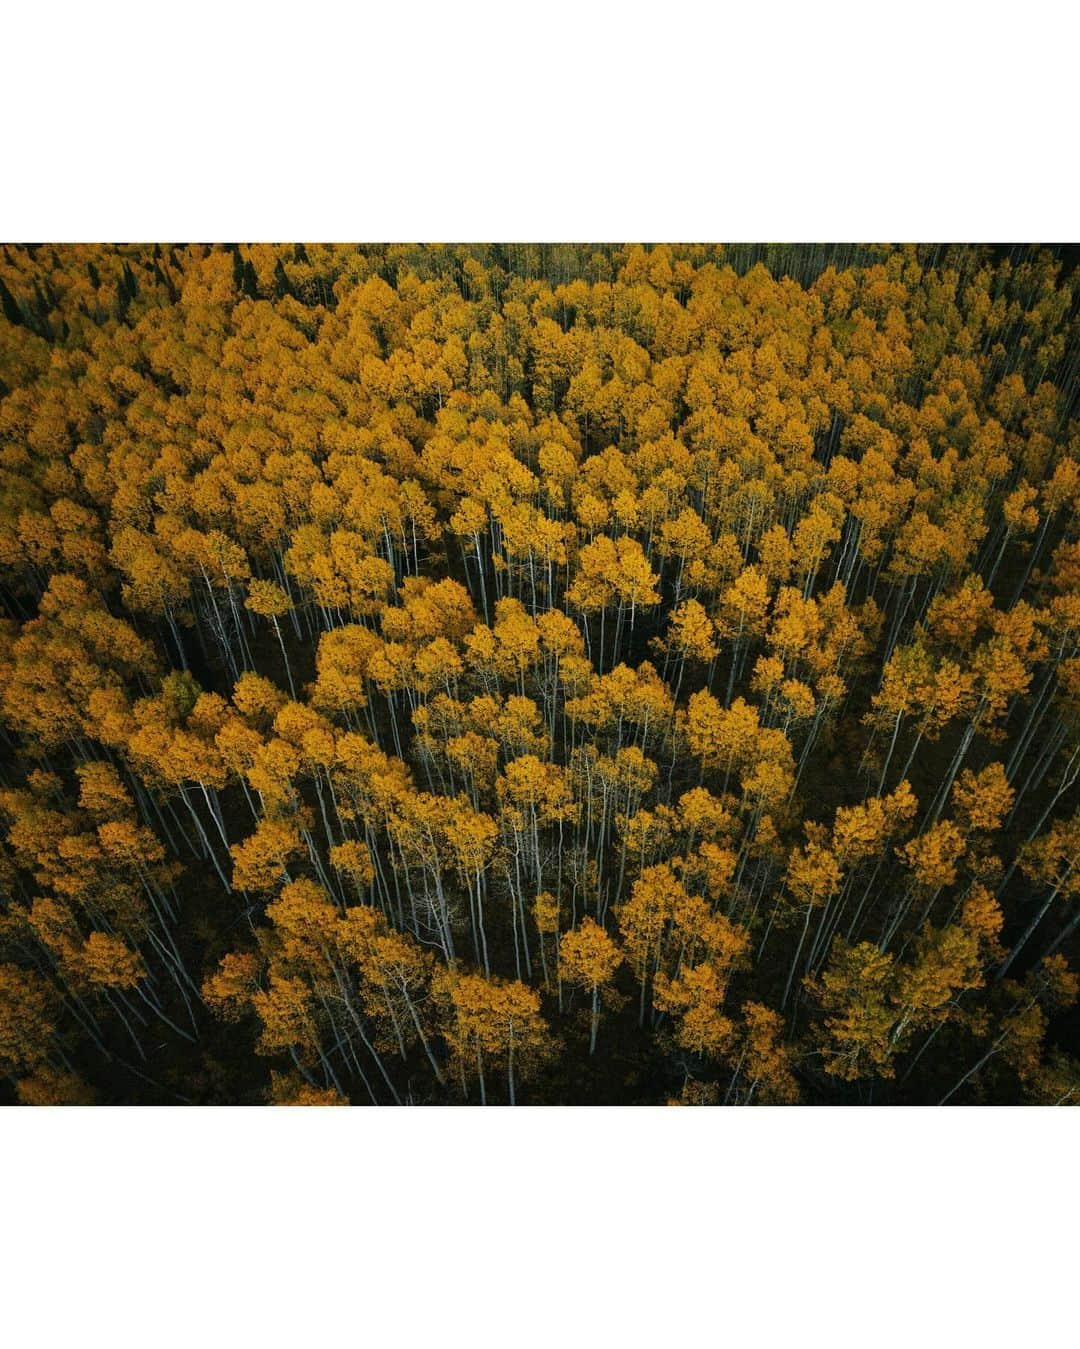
539,673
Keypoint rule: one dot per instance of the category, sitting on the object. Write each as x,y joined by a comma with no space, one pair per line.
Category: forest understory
539,674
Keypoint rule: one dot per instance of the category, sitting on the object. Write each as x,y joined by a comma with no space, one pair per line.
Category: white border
570,120
567,120
537,1227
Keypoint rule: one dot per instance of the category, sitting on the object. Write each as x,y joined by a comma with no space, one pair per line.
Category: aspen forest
539,674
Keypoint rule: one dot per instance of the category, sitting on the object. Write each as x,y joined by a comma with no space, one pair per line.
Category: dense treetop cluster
546,674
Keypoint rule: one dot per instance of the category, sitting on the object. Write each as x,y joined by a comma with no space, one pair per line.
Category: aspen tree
588,957
763,1071
270,601
493,1021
